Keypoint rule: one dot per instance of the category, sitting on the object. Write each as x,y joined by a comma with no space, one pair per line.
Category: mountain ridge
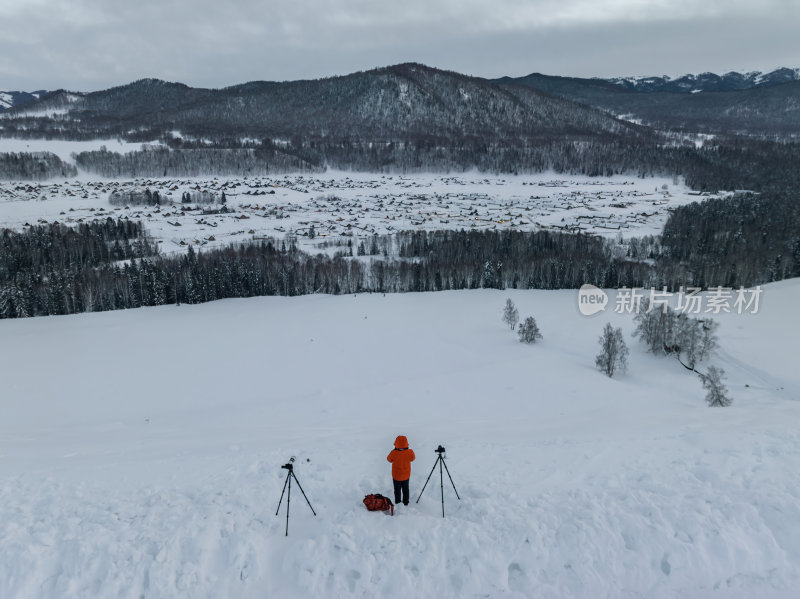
409,117
11,99
396,103
708,81
705,81
767,106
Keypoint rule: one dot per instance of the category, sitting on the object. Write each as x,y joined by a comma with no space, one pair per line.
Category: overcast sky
86,45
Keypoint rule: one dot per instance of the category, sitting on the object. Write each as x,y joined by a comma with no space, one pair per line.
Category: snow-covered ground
141,453
342,206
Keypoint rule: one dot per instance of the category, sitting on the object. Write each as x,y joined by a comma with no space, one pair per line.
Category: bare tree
510,314
613,356
655,326
717,395
708,338
667,332
529,331
687,339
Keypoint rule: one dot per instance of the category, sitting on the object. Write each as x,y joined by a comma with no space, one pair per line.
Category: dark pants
400,485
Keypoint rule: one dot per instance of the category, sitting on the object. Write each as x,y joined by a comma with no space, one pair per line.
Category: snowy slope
140,453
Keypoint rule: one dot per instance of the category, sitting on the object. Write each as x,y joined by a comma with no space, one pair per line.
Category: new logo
591,300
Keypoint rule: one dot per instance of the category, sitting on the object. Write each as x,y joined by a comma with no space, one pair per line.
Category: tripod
289,476
440,461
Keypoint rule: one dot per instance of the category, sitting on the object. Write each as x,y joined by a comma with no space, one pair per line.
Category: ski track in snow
140,453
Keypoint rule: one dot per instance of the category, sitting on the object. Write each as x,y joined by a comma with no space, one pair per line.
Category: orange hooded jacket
401,457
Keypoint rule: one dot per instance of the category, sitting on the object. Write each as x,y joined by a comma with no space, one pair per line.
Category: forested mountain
758,110
405,103
410,117
407,117
12,99
412,103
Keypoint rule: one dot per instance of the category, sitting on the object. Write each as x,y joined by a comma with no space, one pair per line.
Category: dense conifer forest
33,166
112,265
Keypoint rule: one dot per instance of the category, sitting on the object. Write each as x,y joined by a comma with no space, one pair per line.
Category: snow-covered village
319,210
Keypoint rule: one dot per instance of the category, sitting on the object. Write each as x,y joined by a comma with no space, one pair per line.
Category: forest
164,162
109,265
33,166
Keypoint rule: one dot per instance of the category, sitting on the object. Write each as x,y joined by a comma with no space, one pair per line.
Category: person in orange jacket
401,457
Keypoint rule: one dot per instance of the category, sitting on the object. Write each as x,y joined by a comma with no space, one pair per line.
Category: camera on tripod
288,484
440,462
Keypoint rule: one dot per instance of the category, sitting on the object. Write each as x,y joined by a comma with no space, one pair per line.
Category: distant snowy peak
708,81
14,99
778,76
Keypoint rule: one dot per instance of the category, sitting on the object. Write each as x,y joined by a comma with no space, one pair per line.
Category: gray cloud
92,44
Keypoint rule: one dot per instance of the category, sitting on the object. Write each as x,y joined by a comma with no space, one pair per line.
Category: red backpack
379,503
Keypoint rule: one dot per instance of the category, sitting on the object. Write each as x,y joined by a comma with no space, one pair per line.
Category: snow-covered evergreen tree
12,303
529,331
